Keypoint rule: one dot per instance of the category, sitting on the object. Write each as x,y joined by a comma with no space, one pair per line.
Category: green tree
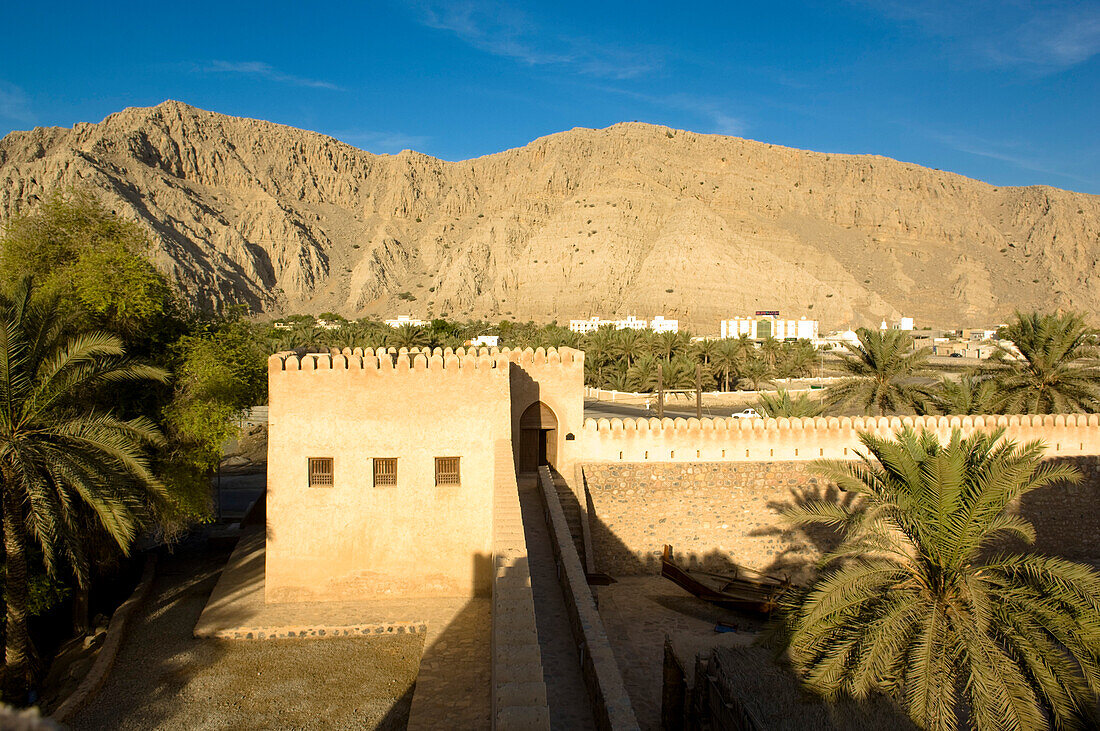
91,260
885,374
631,345
1059,371
781,404
705,349
666,345
921,601
677,374
756,371
63,463
971,394
599,348
771,351
728,360
220,373
796,360
407,336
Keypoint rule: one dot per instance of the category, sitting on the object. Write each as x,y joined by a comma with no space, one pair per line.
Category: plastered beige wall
353,540
749,440
556,378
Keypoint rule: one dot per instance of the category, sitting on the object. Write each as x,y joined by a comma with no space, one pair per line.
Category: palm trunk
18,651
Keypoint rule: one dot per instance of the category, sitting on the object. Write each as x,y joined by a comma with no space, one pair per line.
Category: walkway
639,612
566,693
452,687
164,678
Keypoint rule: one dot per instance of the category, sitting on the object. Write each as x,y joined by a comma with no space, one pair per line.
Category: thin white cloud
724,124
265,71
712,114
381,142
1040,35
503,30
1008,152
14,104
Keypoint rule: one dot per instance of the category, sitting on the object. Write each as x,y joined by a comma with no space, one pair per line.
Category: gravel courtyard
166,679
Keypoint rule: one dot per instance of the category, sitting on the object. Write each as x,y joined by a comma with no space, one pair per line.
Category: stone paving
455,678
638,611
453,685
567,695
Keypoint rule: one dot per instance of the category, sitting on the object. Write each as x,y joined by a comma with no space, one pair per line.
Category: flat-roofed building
406,320
762,327
661,325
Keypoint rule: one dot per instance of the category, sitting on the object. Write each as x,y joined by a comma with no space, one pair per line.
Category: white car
749,413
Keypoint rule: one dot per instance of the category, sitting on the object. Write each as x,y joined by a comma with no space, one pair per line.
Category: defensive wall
714,488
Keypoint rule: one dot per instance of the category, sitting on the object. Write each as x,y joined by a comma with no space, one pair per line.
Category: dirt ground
166,679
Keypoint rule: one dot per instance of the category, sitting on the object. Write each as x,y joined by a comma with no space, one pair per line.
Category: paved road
237,492
611,410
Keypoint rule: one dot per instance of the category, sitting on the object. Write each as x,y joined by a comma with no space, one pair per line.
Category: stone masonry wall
716,514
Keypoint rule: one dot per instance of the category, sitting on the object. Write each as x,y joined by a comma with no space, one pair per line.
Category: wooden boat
745,590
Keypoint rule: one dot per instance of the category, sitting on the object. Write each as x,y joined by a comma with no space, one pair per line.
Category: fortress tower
382,464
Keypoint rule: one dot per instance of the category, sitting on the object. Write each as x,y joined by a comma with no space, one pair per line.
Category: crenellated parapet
424,359
610,440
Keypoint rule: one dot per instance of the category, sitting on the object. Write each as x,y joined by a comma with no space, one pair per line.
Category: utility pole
660,391
698,391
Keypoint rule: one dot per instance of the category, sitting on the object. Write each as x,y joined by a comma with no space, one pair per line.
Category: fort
395,474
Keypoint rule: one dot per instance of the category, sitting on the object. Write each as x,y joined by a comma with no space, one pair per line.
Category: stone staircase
572,510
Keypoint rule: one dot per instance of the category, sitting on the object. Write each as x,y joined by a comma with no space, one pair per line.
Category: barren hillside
634,218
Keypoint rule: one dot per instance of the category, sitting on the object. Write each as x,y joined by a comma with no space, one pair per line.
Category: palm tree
972,393
616,378
668,344
728,359
797,359
642,376
771,350
406,336
920,600
630,345
756,371
884,373
63,463
598,347
781,404
705,349
1059,371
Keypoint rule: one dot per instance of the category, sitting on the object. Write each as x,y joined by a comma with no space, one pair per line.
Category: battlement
423,359
812,438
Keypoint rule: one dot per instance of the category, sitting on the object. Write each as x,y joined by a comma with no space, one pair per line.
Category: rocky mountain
634,218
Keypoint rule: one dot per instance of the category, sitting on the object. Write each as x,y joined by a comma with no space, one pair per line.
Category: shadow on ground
164,678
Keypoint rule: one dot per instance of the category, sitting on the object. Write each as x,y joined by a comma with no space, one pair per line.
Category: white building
658,324
841,339
407,320
905,323
762,327
590,325
485,341
631,323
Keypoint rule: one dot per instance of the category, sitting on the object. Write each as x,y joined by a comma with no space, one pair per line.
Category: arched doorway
538,437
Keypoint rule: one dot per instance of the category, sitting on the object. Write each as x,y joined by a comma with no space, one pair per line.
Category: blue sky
1005,91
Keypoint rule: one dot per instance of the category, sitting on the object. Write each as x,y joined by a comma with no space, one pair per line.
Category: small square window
385,471
320,471
447,471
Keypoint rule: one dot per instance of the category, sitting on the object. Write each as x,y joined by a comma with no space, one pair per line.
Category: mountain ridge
632,218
